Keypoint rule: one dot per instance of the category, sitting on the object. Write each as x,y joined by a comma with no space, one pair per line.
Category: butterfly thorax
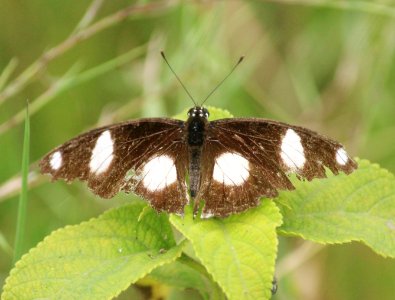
196,134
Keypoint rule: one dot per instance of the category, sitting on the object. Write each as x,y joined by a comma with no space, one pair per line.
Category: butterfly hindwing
249,158
161,179
231,183
129,156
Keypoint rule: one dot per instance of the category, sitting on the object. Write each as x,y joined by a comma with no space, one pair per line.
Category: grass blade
21,221
5,246
7,72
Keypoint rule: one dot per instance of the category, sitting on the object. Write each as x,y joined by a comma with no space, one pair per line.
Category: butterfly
229,163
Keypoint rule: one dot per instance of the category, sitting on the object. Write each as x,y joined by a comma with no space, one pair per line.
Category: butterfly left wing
245,159
146,157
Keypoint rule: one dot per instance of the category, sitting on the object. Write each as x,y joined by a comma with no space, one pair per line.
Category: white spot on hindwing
341,156
159,173
231,169
207,215
292,152
56,160
102,154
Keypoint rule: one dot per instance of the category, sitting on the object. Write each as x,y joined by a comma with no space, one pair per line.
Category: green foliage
96,259
327,65
232,258
340,209
238,251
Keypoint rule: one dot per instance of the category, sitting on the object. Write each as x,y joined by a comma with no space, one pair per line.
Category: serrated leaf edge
364,163
33,250
274,257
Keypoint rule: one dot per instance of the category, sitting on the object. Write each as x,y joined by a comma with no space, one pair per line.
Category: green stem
185,259
21,221
41,63
7,72
69,81
217,293
357,6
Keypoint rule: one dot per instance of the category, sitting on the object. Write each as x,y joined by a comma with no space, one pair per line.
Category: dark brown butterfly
230,163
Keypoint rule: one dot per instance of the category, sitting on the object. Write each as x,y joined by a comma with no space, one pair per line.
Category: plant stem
185,259
89,15
21,221
358,6
217,293
297,258
23,79
8,70
69,81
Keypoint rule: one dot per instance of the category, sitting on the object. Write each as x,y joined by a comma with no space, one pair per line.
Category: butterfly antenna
223,80
179,80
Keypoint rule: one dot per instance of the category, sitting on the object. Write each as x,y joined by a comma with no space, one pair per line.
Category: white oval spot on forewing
292,152
159,173
102,154
56,160
231,169
341,156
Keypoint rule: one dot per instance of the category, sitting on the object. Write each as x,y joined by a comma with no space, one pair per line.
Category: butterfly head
198,111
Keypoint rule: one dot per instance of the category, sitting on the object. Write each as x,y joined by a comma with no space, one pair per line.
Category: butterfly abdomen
196,136
194,170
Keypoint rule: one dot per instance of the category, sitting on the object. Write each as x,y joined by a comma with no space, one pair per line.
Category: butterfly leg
196,207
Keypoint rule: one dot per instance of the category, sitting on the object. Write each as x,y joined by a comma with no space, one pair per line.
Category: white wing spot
341,156
206,215
231,169
102,154
292,152
159,173
56,160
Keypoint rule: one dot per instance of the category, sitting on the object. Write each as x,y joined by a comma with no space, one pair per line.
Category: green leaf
344,208
96,259
215,114
239,251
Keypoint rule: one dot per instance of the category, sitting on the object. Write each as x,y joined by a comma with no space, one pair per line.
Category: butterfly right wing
245,159
146,157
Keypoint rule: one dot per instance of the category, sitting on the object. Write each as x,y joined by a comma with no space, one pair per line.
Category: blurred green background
327,65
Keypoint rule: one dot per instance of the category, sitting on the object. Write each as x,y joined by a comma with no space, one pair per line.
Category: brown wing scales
261,143
241,161
120,155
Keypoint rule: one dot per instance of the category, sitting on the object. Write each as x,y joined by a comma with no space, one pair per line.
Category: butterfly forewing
295,149
145,156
